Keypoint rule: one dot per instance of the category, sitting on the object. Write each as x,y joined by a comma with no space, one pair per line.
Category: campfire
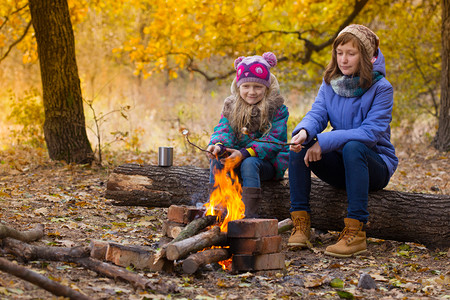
219,233
226,198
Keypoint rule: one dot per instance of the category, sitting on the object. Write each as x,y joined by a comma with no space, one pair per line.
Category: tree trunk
410,217
64,127
442,139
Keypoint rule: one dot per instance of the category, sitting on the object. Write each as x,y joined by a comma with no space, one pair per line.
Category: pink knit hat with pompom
255,68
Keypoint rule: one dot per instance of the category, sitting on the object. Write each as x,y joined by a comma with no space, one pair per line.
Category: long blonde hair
255,117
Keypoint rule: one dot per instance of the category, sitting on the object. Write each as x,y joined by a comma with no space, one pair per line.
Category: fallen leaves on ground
68,200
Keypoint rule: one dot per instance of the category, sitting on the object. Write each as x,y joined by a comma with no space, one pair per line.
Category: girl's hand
298,139
215,150
313,154
235,155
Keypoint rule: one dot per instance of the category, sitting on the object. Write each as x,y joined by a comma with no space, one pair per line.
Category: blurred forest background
150,68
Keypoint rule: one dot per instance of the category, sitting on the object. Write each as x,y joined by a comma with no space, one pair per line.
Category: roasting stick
245,131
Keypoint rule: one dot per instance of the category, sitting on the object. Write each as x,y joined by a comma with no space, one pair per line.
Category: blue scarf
347,86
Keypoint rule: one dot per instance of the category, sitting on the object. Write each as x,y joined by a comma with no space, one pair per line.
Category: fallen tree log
408,217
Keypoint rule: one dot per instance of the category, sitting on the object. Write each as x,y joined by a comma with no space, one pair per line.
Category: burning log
196,260
41,281
212,237
410,217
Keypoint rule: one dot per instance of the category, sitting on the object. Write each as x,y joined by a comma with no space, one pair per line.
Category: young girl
357,154
257,106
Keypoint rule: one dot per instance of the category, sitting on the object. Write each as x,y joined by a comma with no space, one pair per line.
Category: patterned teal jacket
276,154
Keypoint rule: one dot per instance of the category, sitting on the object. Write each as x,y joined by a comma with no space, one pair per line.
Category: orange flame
227,196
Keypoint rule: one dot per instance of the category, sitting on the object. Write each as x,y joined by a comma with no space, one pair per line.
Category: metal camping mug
165,156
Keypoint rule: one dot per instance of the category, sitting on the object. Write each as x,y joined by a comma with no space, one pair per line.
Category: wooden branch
196,260
16,41
25,236
400,216
212,237
30,252
41,281
119,273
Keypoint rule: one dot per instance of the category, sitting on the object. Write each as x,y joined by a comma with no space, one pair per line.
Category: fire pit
249,245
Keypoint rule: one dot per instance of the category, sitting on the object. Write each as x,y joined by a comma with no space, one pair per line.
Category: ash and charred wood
29,252
181,249
25,236
41,281
194,261
400,216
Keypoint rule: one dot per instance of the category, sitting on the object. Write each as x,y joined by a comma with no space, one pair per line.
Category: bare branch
12,13
304,57
16,41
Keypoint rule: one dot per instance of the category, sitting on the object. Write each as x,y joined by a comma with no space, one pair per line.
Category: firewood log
196,243
194,261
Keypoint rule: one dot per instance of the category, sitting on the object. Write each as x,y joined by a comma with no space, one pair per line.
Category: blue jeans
357,169
251,171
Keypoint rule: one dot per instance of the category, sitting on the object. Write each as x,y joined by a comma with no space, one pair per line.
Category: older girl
357,154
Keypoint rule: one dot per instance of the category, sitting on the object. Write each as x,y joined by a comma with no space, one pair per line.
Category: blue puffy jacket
365,118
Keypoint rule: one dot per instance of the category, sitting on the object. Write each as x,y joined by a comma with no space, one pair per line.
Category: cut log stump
400,216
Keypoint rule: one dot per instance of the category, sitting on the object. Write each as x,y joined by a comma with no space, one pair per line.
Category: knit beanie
367,37
255,68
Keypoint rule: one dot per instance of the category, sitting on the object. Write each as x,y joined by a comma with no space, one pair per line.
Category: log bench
400,216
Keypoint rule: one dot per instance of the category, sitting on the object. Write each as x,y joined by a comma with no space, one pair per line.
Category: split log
196,260
285,225
407,217
195,227
80,256
25,236
41,281
212,237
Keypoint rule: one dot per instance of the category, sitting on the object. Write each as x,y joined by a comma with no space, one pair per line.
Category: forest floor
68,200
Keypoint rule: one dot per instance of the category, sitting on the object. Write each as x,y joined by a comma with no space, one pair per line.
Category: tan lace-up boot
352,240
301,233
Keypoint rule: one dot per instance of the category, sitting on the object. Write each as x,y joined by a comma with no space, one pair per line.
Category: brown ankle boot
301,233
352,240
251,197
